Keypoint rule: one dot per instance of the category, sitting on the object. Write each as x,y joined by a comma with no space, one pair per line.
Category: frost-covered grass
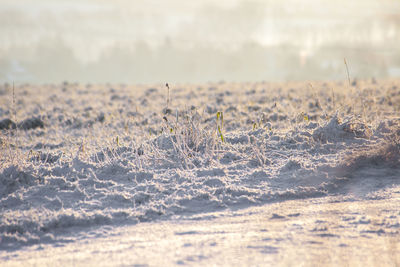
89,155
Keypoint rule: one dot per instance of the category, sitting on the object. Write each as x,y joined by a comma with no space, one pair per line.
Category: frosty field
211,174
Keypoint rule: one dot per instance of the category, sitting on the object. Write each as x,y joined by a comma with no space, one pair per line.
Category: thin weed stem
167,95
347,70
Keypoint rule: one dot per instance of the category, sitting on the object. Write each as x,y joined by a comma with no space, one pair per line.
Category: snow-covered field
224,173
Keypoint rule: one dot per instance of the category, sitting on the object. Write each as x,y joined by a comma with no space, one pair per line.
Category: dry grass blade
347,70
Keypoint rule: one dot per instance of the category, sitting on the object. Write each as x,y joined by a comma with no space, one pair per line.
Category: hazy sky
196,41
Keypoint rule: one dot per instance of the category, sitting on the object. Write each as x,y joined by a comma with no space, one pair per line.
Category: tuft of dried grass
385,154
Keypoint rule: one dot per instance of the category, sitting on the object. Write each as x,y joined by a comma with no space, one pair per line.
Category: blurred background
146,41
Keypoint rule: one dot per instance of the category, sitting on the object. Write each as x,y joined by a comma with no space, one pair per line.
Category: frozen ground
107,174
311,232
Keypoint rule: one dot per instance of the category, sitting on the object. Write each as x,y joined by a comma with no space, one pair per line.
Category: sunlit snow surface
86,157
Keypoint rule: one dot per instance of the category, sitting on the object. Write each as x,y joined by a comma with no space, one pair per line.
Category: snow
106,168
